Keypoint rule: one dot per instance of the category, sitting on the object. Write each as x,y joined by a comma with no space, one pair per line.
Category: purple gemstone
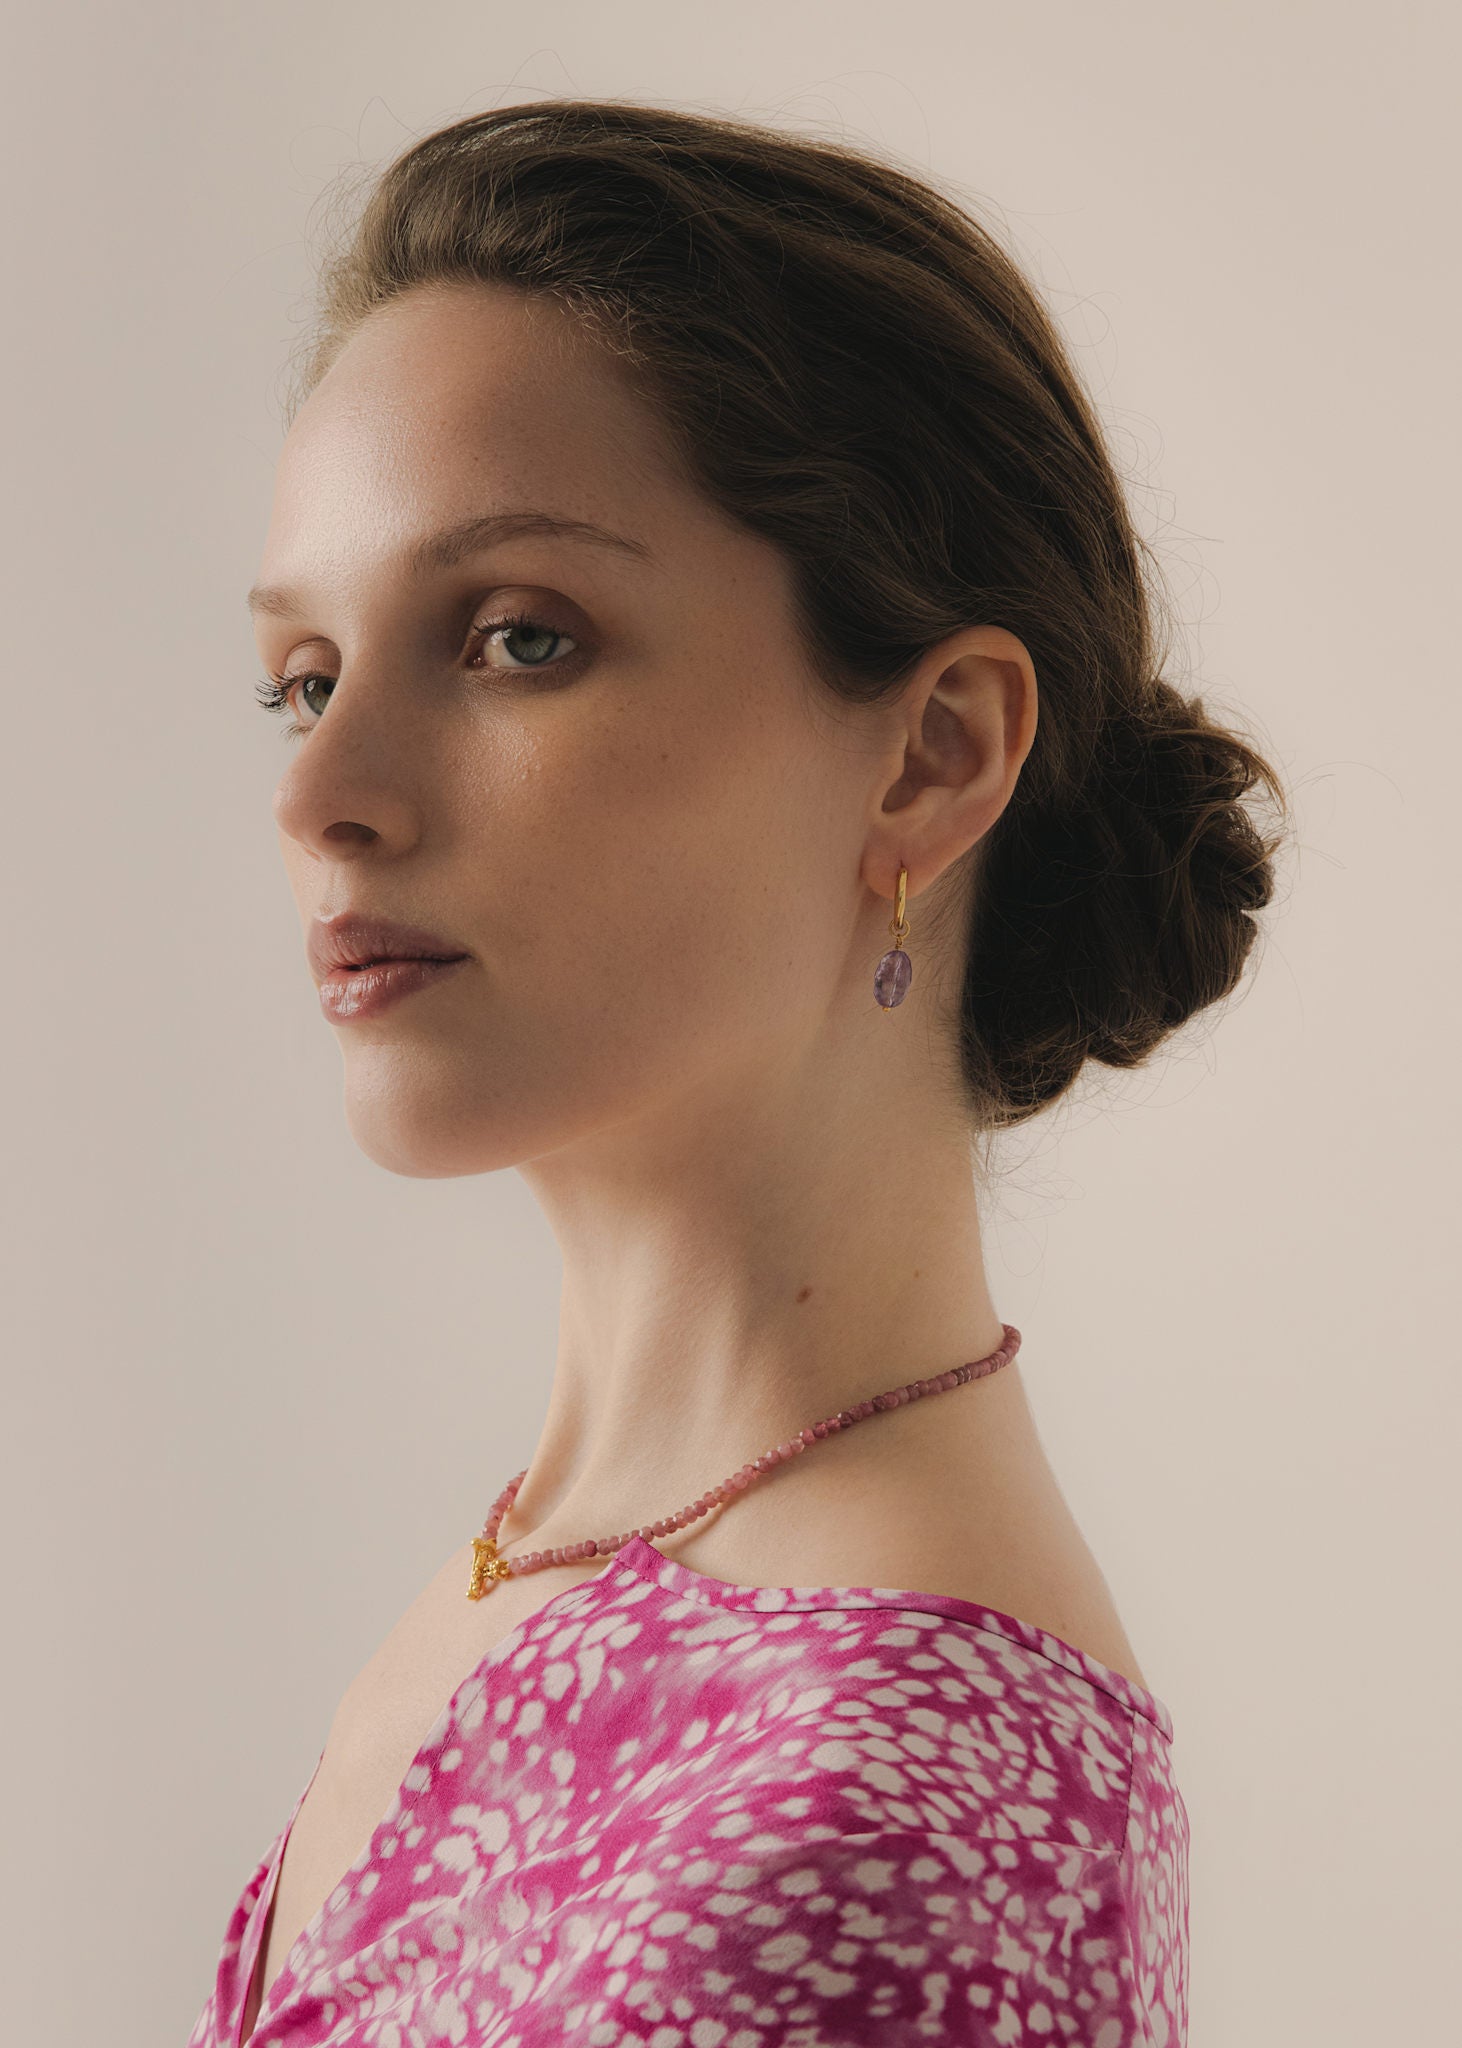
892,977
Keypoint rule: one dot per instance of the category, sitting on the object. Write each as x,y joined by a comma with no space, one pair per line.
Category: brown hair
853,368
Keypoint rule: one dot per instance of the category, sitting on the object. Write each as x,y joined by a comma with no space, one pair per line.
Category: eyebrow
454,543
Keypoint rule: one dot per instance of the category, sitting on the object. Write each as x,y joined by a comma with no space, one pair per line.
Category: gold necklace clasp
486,1566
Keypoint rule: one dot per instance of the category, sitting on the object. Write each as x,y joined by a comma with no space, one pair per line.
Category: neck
742,1265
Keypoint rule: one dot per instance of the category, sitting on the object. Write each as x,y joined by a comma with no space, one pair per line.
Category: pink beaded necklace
488,1566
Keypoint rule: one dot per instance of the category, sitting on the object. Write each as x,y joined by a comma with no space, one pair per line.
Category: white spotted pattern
669,1812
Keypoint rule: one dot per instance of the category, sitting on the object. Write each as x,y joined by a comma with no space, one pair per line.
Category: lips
354,940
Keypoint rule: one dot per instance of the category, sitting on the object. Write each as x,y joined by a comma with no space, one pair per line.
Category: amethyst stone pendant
895,970
892,976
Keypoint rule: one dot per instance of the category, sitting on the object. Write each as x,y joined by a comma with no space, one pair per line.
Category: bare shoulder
1062,1592
1047,1576
1030,1562
426,1652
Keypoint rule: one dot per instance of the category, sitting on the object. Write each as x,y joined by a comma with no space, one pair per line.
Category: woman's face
636,813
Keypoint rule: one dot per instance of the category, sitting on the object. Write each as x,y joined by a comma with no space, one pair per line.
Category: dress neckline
648,1562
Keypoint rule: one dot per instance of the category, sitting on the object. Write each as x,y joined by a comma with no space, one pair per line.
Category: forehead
455,400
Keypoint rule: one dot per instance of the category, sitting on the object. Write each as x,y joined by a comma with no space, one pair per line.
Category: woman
721,660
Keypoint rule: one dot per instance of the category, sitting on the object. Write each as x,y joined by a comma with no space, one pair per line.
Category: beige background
257,1389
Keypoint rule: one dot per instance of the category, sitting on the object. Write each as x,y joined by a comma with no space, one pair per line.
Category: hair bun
1106,920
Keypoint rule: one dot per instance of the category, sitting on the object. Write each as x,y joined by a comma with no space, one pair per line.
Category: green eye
529,629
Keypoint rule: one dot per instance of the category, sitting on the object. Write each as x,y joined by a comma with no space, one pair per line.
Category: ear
962,729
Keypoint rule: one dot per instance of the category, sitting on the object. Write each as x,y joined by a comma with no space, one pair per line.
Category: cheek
669,890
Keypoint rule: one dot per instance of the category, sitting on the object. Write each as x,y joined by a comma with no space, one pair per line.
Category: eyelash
274,691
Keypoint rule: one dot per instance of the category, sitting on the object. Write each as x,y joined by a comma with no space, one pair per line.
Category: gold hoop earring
895,970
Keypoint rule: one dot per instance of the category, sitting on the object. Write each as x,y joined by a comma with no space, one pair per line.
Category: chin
433,1140
433,1117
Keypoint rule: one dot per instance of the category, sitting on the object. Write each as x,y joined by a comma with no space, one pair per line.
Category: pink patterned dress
671,1811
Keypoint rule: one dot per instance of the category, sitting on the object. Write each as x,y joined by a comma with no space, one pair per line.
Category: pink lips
351,994
363,963
352,939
